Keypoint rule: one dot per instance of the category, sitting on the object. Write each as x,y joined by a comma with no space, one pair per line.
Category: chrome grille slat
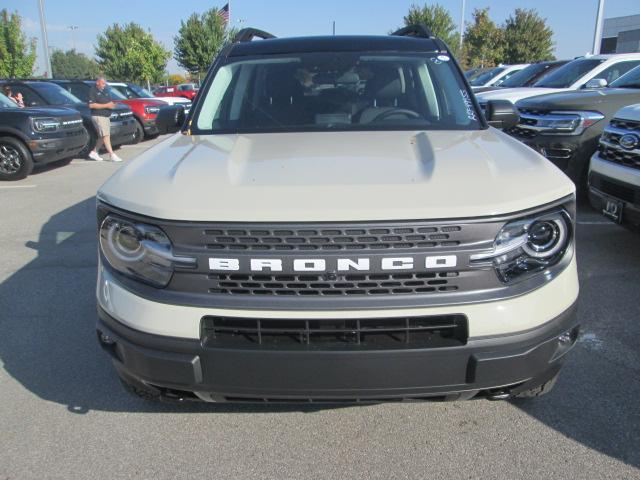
610,149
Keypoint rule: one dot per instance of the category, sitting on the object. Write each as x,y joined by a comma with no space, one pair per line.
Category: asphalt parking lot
64,415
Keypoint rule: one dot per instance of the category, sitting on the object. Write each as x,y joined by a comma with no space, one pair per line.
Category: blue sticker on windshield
443,58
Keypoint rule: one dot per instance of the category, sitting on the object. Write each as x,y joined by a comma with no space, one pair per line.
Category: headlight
560,122
139,251
528,246
46,124
151,109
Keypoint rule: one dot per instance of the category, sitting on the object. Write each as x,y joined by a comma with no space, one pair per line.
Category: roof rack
419,30
248,34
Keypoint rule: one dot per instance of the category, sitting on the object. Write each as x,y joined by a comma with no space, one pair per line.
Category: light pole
598,31
73,28
462,25
45,40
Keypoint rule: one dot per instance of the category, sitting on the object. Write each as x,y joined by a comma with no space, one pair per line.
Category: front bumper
123,131
186,369
150,127
603,188
58,146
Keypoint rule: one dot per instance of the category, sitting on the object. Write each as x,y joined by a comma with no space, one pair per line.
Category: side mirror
501,114
170,118
596,83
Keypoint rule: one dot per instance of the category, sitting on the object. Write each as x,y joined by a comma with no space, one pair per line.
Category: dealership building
621,35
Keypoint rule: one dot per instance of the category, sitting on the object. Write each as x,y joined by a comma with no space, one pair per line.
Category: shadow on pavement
597,399
48,341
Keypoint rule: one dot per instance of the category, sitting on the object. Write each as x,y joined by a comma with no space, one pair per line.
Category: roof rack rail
248,34
419,30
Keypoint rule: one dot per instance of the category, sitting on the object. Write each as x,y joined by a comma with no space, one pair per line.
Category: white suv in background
496,75
614,173
586,72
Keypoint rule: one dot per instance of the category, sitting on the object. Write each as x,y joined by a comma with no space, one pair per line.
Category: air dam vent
335,334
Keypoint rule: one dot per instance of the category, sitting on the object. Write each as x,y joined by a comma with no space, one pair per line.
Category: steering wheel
396,111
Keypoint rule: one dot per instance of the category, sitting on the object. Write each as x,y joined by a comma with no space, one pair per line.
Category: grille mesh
332,239
610,148
323,285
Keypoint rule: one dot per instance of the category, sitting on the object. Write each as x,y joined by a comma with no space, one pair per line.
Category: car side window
29,96
617,70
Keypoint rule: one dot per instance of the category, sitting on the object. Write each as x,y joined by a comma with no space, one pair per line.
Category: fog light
566,337
106,339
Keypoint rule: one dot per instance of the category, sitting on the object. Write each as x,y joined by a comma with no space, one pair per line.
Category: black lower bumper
54,148
603,189
169,365
150,127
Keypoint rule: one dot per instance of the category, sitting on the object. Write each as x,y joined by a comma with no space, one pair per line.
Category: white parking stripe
17,186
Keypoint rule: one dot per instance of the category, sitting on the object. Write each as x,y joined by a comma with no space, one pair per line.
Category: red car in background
186,90
145,110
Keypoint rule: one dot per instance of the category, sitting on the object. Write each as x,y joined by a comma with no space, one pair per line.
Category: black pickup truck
38,93
35,136
565,127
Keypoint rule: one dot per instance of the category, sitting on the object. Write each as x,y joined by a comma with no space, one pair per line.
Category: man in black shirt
101,105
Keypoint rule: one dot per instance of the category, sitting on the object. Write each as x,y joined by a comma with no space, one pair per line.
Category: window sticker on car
443,58
471,112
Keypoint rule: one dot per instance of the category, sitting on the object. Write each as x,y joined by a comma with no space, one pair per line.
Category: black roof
340,43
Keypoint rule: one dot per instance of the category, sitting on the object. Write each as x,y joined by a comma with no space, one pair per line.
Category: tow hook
498,395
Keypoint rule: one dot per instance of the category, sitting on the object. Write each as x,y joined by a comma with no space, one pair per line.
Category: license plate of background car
613,209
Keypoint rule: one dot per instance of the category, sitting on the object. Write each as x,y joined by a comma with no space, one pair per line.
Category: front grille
335,334
334,285
610,148
332,239
521,132
625,124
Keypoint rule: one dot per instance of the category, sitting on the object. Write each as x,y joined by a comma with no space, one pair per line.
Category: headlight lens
46,124
151,109
139,251
528,246
560,122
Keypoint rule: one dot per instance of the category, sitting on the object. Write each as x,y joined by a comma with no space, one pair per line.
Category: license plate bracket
612,209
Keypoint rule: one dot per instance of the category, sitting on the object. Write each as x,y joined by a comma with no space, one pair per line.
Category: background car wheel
84,153
15,159
138,135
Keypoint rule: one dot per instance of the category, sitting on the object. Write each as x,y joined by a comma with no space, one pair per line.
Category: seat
382,92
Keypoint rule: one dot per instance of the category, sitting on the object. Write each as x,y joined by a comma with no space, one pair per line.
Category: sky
572,21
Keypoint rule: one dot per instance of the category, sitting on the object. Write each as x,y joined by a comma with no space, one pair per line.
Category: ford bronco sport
337,222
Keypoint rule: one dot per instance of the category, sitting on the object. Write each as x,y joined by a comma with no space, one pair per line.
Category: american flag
224,13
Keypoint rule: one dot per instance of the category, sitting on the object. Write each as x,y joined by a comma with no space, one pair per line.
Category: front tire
16,161
138,135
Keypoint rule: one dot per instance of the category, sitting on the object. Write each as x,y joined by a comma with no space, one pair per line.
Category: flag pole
229,23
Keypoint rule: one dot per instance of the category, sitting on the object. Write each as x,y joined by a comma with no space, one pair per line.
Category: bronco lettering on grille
336,264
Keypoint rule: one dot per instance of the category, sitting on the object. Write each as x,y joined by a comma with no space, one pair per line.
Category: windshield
486,76
54,94
345,91
521,78
568,74
631,79
6,102
139,91
187,87
115,94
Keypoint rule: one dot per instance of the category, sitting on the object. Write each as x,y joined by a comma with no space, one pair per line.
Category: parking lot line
17,186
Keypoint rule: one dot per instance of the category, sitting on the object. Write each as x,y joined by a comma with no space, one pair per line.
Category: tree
72,64
176,79
200,39
483,40
438,19
527,38
17,53
129,53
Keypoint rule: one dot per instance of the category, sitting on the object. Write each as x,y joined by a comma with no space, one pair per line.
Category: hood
632,112
514,94
604,100
50,111
335,176
173,100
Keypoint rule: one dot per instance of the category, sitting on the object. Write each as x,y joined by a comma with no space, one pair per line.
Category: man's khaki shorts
103,125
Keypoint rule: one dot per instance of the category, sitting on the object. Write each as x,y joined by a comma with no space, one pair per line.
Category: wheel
138,135
540,390
15,159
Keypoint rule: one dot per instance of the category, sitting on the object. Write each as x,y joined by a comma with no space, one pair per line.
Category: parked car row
55,124
584,117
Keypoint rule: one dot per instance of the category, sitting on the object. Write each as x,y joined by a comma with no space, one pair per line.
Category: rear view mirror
170,118
596,83
501,114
